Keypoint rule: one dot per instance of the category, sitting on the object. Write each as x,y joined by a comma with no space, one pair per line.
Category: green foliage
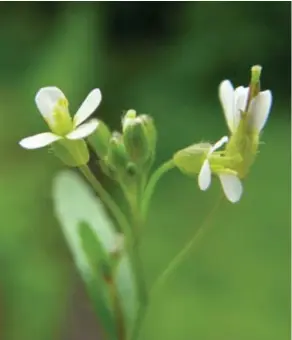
91,238
238,280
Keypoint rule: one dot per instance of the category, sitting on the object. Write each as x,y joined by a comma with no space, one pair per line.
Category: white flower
231,184
53,106
234,102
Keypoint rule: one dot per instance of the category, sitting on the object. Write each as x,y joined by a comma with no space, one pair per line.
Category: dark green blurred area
165,59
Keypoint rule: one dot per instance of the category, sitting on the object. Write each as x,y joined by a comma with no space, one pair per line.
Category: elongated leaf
127,292
91,238
74,206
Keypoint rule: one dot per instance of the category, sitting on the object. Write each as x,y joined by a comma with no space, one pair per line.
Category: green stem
152,183
109,202
137,225
139,211
185,251
125,226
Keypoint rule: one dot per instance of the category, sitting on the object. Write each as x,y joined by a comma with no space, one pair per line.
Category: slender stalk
108,201
152,183
185,251
125,226
139,210
119,317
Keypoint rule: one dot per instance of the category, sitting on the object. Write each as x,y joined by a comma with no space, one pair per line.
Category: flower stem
137,221
139,212
128,232
109,202
152,183
185,251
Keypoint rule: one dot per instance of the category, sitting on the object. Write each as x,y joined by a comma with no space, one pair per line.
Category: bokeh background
165,59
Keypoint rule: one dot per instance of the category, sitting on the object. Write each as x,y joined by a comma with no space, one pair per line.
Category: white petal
89,105
232,187
83,130
204,178
226,95
46,100
260,109
39,141
218,145
241,95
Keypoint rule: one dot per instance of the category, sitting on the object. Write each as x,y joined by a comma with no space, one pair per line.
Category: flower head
246,111
238,107
231,184
53,106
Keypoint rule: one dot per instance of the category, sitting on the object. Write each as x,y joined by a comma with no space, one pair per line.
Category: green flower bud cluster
124,156
127,156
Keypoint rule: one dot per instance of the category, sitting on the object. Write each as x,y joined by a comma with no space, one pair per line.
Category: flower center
61,123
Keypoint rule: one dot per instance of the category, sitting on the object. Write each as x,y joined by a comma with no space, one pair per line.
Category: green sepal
117,164
190,159
99,140
73,153
117,157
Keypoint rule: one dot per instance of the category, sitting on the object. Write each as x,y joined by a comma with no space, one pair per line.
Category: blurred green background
165,59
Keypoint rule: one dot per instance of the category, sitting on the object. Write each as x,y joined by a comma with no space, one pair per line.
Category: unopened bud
99,140
117,157
128,118
139,137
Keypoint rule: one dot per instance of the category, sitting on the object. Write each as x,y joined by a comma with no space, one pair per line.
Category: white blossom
234,102
231,184
53,106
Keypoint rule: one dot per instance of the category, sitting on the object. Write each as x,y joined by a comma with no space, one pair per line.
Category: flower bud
139,137
99,140
72,153
117,157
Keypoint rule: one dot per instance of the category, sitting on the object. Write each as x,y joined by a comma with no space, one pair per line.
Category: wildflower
246,111
231,184
236,108
53,106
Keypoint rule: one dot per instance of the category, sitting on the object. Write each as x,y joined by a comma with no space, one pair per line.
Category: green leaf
91,238
76,206
97,258
125,282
